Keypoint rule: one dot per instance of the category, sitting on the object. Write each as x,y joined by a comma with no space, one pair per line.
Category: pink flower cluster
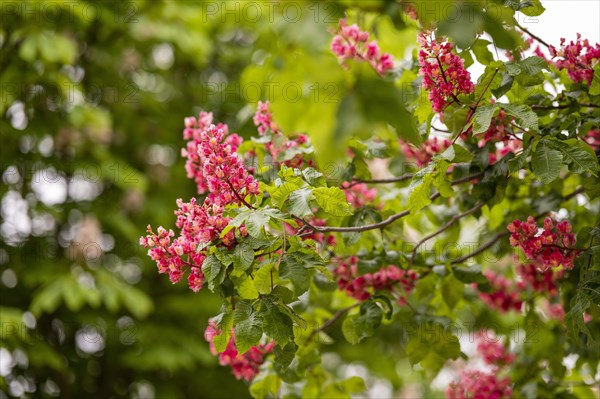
444,73
551,247
359,195
283,150
499,135
593,139
244,366
193,132
578,58
473,384
491,349
353,43
542,281
503,296
214,165
424,154
362,287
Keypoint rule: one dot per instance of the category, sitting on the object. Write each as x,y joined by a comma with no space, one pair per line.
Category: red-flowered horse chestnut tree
463,224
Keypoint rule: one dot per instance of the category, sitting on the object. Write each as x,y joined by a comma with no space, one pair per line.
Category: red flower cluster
491,349
214,165
423,155
362,287
503,297
578,58
474,384
444,73
244,366
593,139
351,43
359,195
283,150
549,248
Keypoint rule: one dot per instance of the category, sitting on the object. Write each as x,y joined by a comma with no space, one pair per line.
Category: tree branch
565,106
532,35
442,229
383,223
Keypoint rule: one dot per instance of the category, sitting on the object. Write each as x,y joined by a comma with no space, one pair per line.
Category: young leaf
248,328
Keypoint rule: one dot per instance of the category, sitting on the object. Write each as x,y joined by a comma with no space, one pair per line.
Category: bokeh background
93,96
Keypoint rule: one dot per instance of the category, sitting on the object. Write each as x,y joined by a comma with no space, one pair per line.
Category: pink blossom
551,247
578,58
593,139
503,296
245,366
491,349
444,73
361,287
473,384
352,43
359,195
424,154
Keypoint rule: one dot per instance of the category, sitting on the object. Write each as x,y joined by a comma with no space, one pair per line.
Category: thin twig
237,195
532,35
564,106
331,321
397,179
442,229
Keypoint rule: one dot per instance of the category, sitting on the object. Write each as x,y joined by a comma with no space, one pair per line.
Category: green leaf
377,98
284,356
370,148
245,287
332,200
292,269
354,385
452,290
225,323
276,325
469,274
595,87
255,222
363,325
533,9
546,163
314,178
299,202
481,51
282,192
243,256
533,65
211,267
262,278
419,188
264,387
248,326
578,155
457,154
483,118
528,119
